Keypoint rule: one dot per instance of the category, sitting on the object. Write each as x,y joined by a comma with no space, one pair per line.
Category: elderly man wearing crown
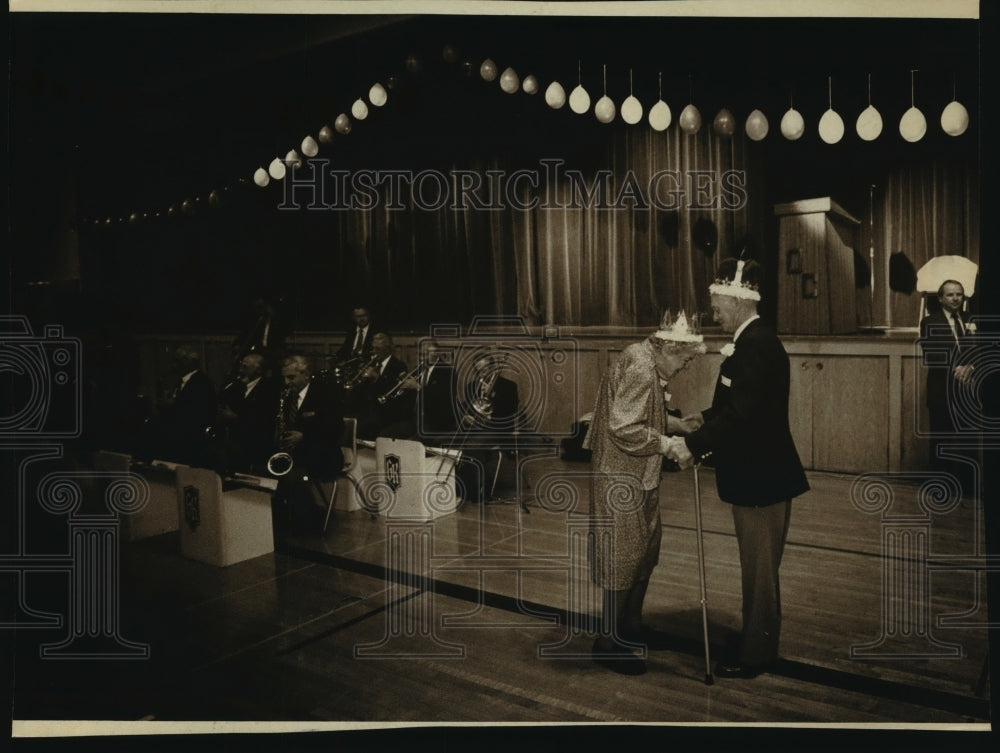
757,468
628,436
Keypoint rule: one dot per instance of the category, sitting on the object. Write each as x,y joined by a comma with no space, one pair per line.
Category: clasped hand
677,450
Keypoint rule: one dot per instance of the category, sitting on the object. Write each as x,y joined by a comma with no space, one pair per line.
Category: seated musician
179,431
392,415
247,409
310,425
489,411
435,386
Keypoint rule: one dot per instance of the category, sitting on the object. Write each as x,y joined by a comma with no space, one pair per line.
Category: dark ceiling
149,108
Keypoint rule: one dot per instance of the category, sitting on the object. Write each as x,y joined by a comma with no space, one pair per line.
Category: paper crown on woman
682,329
738,278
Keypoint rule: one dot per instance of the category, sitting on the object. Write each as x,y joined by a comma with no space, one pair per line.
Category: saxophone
281,462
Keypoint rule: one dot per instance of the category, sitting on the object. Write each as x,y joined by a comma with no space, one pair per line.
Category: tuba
281,462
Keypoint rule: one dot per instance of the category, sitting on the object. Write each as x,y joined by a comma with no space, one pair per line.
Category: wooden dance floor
487,615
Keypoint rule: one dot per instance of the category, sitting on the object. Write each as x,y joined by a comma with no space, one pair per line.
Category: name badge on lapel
726,381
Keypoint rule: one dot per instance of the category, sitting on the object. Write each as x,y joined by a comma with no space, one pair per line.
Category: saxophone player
312,424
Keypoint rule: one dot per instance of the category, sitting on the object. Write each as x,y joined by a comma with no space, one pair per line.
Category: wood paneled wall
855,403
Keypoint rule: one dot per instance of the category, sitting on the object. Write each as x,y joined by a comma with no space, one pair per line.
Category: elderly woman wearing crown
628,437
757,468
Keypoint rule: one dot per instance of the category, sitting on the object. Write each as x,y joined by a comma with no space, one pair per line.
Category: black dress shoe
742,671
618,658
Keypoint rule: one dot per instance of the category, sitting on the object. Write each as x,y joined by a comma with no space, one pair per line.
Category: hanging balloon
869,124
466,68
488,70
260,177
831,127
292,159
413,64
913,125
792,124
555,95
214,199
342,124
276,169
509,81
171,211
133,218
377,95
392,82
187,206
724,123
359,109
690,120
449,53
309,146
579,100
954,118
326,135
605,109
631,110
756,125
659,116
530,85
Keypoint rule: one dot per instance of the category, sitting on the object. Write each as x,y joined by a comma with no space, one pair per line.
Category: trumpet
397,389
281,462
359,376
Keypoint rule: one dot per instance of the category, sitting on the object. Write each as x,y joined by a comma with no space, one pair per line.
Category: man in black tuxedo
312,425
746,436
393,416
947,334
248,408
265,332
358,342
186,412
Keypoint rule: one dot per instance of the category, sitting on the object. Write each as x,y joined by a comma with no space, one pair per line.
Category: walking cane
701,575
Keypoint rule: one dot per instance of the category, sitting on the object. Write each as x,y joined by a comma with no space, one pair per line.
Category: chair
349,446
948,267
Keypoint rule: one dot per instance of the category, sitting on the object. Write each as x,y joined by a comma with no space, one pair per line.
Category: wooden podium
411,481
159,514
817,240
223,525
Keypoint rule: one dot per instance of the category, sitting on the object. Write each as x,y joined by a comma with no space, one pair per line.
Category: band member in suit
384,418
359,340
311,426
947,333
746,436
265,332
186,412
627,438
436,404
489,411
248,408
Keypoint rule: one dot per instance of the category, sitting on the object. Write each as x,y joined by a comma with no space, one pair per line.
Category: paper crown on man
739,278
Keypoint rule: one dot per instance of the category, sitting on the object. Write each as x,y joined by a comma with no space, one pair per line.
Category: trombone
359,376
397,389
